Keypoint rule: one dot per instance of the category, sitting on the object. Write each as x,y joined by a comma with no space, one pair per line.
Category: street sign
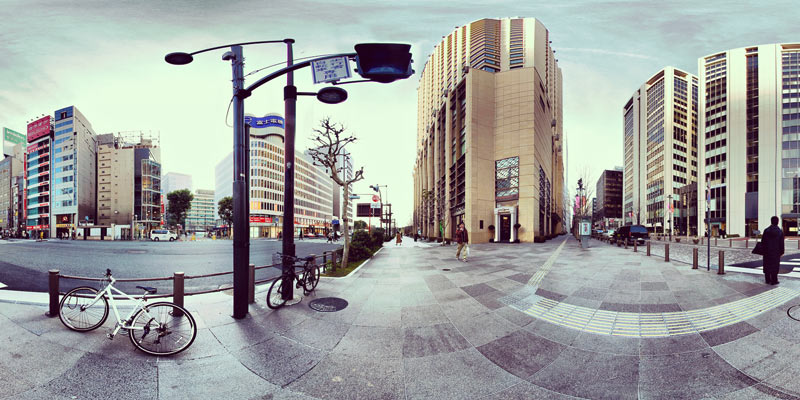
330,69
375,198
375,205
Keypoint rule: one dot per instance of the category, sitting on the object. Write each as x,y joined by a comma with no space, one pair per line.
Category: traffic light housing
384,62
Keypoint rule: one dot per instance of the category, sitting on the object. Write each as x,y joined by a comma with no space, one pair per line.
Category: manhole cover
328,304
445,269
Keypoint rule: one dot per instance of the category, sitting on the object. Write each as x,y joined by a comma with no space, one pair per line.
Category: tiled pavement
415,330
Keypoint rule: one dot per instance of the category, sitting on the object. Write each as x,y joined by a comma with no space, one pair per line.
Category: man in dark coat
772,247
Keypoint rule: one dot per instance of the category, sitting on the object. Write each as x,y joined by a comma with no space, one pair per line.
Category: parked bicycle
305,274
160,329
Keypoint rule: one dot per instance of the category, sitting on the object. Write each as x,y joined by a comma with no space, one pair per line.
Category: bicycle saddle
148,289
309,258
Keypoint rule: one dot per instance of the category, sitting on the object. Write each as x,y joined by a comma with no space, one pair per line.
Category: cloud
606,52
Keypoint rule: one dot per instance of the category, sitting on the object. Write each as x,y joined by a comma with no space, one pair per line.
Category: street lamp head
179,58
228,56
332,95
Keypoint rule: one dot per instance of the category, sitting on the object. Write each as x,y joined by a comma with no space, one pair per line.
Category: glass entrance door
505,228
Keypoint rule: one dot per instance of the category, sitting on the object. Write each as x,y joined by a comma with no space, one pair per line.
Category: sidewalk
523,321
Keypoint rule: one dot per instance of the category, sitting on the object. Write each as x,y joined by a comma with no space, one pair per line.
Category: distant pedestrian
772,250
463,241
300,235
399,239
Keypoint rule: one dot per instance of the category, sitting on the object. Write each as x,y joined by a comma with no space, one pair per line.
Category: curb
355,270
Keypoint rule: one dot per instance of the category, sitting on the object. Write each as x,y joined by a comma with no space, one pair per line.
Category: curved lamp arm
181,58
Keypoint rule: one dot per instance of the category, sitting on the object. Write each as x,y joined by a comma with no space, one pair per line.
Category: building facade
660,124
74,184
608,210
750,138
116,181
147,205
36,194
313,188
489,134
11,168
202,216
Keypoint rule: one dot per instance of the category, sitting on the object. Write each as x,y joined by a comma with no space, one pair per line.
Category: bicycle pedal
110,336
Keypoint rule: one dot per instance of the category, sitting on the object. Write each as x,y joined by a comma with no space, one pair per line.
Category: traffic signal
384,62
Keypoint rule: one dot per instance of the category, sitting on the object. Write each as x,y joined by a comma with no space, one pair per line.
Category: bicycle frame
121,324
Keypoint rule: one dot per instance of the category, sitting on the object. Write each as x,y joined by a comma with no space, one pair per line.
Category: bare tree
330,153
589,184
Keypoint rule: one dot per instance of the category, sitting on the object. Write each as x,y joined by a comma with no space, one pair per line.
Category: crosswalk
760,269
2,285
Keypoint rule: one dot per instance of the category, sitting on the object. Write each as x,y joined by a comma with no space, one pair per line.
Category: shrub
359,252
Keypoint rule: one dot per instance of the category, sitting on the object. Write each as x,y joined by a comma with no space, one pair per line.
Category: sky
107,59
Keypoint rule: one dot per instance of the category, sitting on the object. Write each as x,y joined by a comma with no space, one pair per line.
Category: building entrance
790,226
505,228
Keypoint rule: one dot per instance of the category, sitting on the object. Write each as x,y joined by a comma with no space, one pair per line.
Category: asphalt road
24,263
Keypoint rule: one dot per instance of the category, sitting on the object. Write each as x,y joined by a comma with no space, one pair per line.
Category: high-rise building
489,134
11,168
74,182
116,177
172,181
660,123
147,204
36,194
313,188
223,178
10,139
202,216
750,138
608,210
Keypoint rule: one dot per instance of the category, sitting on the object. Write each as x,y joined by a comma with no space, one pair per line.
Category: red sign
37,227
375,198
38,128
260,219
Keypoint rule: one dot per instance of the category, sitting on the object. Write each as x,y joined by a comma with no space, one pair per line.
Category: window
506,181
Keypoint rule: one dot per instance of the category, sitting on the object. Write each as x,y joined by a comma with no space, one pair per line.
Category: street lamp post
670,216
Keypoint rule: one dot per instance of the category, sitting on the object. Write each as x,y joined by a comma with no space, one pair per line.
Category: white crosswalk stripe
790,263
2,285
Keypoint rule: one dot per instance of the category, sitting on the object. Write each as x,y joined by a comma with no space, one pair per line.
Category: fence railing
178,282
720,261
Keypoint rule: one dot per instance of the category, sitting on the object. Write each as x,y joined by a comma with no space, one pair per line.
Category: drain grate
328,304
445,269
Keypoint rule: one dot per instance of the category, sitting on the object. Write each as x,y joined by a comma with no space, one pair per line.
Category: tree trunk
346,201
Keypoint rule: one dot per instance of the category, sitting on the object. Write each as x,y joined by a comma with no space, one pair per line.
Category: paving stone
728,333
280,360
550,295
431,340
759,355
379,316
694,375
433,377
316,333
654,286
478,289
671,344
525,391
422,316
556,333
598,375
369,340
344,376
621,307
659,308
37,393
759,392
591,293
514,316
521,352
464,308
483,328
447,295
490,300
129,376
606,343
210,377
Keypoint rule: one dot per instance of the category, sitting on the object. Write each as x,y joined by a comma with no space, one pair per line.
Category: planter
696,241
677,240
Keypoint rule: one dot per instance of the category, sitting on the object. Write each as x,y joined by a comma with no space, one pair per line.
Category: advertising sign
330,69
11,138
38,128
366,210
586,228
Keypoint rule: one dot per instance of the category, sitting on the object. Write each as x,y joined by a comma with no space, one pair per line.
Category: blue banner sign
264,122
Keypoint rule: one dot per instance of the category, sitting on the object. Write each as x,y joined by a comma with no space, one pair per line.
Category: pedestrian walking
300,235
771,248
399,239
463,241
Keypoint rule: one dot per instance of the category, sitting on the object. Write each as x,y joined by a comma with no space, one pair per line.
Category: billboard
363,210
39,128
11,138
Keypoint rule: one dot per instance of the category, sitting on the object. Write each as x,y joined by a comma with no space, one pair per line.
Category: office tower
489,134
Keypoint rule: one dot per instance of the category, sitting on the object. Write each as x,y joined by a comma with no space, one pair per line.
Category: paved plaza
518,321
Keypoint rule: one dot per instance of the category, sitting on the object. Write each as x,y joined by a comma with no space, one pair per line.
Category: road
24,263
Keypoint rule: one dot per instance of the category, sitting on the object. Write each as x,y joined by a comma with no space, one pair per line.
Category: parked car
597,233
162,234
627,234
609,234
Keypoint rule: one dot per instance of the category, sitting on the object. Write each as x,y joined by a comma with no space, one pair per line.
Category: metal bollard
715,242
721,270
53,291
694,258
798,244
747,243
648,248
666,252
324,261
251,283
634,245
626,244
730,242
177,290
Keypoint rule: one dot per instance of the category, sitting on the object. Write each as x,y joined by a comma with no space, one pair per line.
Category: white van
162,234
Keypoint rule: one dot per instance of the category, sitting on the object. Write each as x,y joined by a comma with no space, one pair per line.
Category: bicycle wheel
162,329
77,312
310,278
794,312
275,294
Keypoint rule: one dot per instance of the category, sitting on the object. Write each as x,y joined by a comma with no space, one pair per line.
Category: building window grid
507,179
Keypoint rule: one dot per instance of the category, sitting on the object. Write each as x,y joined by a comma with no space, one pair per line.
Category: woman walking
399,239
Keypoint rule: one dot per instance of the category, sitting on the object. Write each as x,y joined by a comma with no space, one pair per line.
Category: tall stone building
489,135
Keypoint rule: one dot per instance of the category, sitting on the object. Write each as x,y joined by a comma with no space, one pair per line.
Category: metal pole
241,237
177,290
290,103
53,292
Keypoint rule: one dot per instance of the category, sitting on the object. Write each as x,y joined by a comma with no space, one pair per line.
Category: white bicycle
160,329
